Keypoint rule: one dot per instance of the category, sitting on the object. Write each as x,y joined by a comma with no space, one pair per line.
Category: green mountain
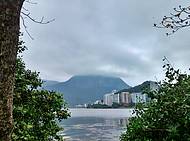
87,88
140,88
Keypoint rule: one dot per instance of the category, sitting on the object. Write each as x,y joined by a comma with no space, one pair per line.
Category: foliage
116,105
139,88
36,112
98,106
167,116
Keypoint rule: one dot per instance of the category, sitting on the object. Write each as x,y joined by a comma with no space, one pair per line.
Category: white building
139,97
108,99
116,98
98,102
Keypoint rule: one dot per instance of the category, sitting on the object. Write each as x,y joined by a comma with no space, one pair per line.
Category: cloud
107,37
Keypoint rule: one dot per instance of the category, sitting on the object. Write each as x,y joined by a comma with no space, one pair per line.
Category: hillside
47,83
87,88
141,87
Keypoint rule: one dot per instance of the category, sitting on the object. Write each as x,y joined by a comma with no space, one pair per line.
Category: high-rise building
108,99
125,98
116,98
139,97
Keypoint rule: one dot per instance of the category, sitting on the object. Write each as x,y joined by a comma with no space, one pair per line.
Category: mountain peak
82,89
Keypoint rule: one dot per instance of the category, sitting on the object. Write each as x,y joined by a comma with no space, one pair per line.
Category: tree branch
179,19
25,14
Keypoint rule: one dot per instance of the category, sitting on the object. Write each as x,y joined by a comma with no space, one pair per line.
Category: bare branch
42,21
25,9
25,27
30,2
25,14
175,21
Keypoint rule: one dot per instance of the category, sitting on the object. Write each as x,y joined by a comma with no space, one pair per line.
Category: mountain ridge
141,87
82,89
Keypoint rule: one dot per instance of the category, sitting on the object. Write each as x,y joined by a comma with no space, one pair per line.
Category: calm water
95,124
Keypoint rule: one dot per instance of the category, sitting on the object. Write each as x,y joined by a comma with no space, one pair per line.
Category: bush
167,116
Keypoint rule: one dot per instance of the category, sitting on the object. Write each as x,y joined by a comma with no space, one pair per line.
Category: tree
36,112
9,37
10,13
167,116
179,19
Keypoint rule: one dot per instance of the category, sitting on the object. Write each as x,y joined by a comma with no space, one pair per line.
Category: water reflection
123,122
96,124
94,128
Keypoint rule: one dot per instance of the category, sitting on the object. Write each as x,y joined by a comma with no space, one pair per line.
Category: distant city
96,91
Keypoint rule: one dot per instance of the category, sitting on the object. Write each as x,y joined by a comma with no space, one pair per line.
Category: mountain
141,87
47,83
87,88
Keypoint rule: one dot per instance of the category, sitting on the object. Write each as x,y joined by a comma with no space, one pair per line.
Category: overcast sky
107,37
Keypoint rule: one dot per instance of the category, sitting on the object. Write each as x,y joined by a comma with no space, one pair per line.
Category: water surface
95,124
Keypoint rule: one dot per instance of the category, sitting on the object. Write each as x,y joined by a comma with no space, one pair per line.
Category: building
116,98
108,99
139,97
125,98
98,102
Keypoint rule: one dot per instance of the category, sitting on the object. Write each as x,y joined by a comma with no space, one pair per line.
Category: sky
105,37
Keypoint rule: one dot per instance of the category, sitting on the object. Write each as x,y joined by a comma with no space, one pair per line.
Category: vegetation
139,88
10,14
98,106
114,105
167,116
36,112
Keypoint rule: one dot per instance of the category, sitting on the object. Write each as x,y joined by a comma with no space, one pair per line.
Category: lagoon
95,124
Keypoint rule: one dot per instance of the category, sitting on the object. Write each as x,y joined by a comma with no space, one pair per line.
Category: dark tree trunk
9,36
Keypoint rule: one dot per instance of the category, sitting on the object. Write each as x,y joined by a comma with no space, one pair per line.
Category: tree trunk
9,36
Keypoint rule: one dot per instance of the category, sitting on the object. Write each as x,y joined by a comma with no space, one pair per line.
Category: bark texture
9,36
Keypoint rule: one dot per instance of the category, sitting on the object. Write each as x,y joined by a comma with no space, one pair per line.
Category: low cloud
107,37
